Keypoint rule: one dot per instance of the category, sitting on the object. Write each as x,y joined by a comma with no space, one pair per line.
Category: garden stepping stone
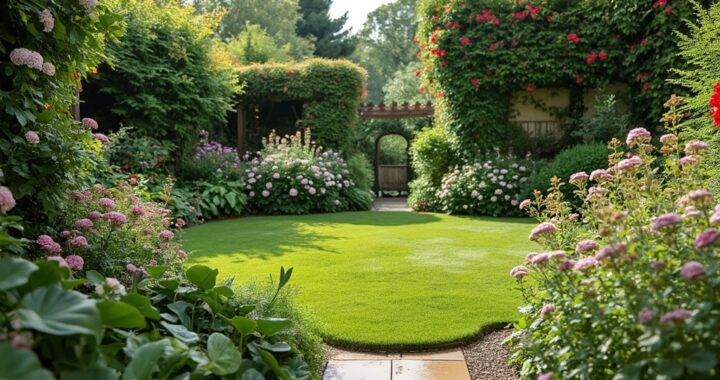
390,204
442,365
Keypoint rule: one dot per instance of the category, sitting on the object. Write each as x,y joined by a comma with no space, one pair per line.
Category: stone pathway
391,204
442,365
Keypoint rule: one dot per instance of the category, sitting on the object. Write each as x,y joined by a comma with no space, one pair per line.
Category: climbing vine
477,53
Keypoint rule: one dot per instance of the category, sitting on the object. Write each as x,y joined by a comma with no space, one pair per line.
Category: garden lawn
379,279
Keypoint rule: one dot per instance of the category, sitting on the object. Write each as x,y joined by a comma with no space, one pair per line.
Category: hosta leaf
144,361
143,304
56,311
271,326
701,361
15,272
203,277
181,332
97,373
17,364
121,315
224,356
243,325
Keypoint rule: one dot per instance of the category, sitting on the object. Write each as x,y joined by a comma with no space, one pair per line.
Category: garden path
390,204
441,365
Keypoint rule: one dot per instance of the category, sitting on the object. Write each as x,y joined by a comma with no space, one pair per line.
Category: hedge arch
329,92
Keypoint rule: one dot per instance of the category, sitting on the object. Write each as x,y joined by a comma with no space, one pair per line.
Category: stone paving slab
391,204
429,370
439,365
358,370
450,355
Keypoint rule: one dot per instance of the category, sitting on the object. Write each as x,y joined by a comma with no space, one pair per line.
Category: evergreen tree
331,39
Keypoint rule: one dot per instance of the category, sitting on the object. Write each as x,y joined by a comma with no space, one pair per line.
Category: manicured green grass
379,279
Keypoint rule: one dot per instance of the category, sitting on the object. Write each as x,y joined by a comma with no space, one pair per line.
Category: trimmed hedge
330,90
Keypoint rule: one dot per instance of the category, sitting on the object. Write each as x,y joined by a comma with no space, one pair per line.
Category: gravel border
488,358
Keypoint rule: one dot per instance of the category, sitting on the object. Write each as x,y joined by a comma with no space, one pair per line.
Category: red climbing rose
475,82
602,55
465,41
715,105
531,88
572,37
590,58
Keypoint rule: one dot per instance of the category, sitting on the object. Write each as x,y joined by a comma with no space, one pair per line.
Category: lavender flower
106,203
138,210
630,163
540,258
46,18
117,219
666,220
32,137
610,251
668,138
94,215
700,195
83,223
637,135
566,265
544,228
7,201
692,270
585,264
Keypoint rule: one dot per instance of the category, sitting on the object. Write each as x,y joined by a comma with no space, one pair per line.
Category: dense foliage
168,78
331,38
627,287
477,53
45,49
330,91
291,175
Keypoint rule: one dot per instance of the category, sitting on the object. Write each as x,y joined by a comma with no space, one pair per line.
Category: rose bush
493,187
291,175
627,286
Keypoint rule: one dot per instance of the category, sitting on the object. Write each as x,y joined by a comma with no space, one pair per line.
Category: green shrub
169,77
361,171
212,161
133,153
580,158
606,124
423,195
433,154
629,290
43,152
221,199
393,150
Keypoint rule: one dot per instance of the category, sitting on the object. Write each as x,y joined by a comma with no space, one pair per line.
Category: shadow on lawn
273,236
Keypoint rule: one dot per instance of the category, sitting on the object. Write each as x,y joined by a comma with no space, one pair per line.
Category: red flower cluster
520,15
549,18
531,88
534,11
418,72
579,79
492,47
465,41
475,82
437,52
590,58
659,3
487,16
572,37
433,38
715,105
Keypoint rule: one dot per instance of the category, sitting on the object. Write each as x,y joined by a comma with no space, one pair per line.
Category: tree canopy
332,40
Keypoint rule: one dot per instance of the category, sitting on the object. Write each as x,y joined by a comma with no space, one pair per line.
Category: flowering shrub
293,176
493,187
628,286
114,232
212,160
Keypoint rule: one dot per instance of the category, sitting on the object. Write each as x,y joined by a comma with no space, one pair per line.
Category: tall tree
332,40
385,44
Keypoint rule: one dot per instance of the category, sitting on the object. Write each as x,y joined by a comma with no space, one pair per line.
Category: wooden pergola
396,111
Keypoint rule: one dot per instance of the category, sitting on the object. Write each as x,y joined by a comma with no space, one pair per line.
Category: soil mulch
487,358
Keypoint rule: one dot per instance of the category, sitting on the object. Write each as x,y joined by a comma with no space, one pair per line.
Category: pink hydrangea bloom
646,315
312,191
166,234
75,262
59,260
707,238
544,228
180,222
102,138
44,240
630,163
692,270
115,286
52,248
83,223
89,123
586,245
21,339
7,201
94,215
695,147
666,220
46,18
578,178
668,138
637,135
48,69
65,234
106,203
89,5
80,196
675,316
32,137
26,57
269,185
265,193
78,241
585,264
293,192
116,218
519,272
546,310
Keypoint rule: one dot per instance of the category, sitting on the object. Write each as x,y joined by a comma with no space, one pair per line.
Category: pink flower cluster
26,57
47,20
7,201
545,228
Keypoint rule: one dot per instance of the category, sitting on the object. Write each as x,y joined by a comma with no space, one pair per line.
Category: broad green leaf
72,284
252,374
203,277
169,284
275,347
701,361
17,364
144,361
180,309
156,271
48,273
271,362
271,326
143,304
96,373
181,332
56,311
95,277
14,272
224,356
121,315
243,325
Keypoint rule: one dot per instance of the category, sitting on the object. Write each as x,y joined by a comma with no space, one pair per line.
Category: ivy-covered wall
476,53
330,90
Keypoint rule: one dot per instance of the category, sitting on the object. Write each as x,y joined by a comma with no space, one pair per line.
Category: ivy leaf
17,364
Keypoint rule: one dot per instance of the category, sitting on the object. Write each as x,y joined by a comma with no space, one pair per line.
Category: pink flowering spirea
525,204
48,69
666,220
586,245
566,265
95,215
556,255
540,258
138,211
166,234
545,228
630,163
676,315
696,146
59,260
707,238
131,268
546,310
596,191
668,138
519,272
610,251
47,20
692,270
585,263
180,222
700,195
80,196
89,123
26,57
7,201
83,223
116,218
79,241
689,160
637,135
601,175
32,137
579,178
645,316
546,376
102,138
293,192
106,203
75,262
89,5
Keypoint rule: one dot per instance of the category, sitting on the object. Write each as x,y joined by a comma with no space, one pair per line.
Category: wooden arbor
393,177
